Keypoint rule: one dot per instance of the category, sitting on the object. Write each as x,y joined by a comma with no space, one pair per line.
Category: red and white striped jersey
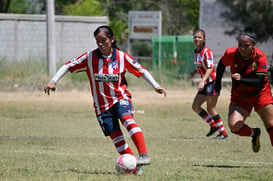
106,76
202,61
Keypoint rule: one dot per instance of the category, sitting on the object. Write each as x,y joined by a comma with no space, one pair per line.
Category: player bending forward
250,88
106,67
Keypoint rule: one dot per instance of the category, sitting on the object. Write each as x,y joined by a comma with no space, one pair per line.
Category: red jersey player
250,88
106,67
203,62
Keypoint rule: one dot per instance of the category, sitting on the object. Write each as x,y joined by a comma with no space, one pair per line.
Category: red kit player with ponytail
250,88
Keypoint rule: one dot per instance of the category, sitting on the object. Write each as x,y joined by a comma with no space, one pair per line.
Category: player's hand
236,76
161,90
48,87
218,87
201,86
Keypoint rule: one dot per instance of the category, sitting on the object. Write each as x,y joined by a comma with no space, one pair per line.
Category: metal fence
174,53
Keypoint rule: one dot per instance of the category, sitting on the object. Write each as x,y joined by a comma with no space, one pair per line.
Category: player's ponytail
108,32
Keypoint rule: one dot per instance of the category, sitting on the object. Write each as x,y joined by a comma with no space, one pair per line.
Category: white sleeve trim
149,78
60,73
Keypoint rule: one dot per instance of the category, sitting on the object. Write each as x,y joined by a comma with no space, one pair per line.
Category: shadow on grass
87,172
222,166
92,172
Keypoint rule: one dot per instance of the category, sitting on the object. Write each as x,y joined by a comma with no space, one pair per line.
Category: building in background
211,21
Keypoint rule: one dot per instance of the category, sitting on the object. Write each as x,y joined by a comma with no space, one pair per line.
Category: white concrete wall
23,37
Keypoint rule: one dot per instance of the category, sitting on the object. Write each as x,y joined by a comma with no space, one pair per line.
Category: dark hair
108,32
202,31
248,33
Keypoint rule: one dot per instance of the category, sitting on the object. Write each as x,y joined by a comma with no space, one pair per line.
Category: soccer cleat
143,159
212,131
221,136
256,140
139,171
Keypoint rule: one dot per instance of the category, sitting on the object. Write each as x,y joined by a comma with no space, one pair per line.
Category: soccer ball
126,164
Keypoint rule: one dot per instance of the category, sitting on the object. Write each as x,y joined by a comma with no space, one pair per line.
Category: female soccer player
204,66
250,88
106,67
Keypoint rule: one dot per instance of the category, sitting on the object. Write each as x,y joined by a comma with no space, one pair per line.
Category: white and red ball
126,164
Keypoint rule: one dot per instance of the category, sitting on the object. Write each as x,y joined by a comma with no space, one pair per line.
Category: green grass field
57,137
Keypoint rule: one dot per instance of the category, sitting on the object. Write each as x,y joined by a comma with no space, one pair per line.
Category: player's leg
236,121
110,127
198,100
266,114
137,137
264,108
196,107
211,104
124,109
120,143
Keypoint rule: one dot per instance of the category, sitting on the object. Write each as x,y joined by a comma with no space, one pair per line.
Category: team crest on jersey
199,57
254,66
115,65
235,66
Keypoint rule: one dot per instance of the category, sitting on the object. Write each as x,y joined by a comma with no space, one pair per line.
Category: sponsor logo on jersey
197,64
106,77
198,61
124,102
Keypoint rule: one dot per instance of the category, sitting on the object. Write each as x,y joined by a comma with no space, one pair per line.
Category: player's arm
204,79
219,74
261,72
252,82
51,85
74,66
149,78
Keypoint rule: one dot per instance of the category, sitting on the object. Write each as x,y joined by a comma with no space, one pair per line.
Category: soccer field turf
57,137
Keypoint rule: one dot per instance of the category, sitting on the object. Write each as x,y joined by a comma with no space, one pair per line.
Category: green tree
257,14
179,16
21,6
33,6
84,8
4,6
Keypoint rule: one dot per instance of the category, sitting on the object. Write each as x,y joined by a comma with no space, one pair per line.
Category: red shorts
247,102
